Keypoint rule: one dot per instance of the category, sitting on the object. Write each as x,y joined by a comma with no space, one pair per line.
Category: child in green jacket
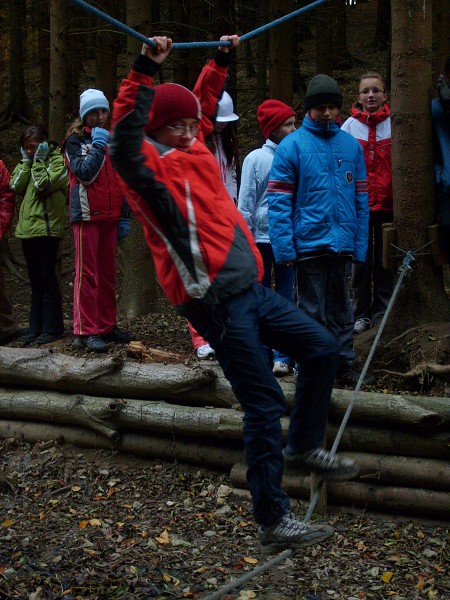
40,181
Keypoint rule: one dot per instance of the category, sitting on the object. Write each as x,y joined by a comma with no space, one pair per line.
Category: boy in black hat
318,218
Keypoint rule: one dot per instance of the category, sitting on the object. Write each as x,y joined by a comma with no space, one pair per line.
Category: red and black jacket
202,248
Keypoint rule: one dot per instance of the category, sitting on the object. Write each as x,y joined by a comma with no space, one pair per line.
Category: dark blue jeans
237,330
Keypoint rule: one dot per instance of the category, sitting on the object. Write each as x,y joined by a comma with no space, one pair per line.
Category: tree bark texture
422,298
202,385
403,468
403,500
111,416
111,377
58,73
211,453
140,294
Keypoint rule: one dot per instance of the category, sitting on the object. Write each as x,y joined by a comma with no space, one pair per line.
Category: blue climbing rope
183,45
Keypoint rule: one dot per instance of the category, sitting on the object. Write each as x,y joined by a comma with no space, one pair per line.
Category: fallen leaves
145,540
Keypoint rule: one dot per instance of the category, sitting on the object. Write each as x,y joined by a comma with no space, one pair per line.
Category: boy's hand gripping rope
403,270
139,36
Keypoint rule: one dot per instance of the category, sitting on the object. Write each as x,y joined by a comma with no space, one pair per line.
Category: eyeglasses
184,129
367,91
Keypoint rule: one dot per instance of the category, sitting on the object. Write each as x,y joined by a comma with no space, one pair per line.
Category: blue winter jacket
252,201
317,194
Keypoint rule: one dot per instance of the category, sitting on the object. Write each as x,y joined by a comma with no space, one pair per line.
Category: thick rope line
266,566
183,45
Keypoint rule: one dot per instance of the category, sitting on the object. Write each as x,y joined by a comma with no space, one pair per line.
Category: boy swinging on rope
208,265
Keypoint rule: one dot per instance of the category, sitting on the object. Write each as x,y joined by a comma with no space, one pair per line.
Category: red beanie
172,102
271,114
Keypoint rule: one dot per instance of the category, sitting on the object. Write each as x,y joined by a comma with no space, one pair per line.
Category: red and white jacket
373,132
7,201
202,248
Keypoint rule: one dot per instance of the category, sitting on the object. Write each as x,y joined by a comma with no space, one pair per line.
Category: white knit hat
225,112
90,100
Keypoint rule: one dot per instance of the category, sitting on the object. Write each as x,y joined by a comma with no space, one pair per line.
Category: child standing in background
40,180
370,124
276,120
319,216
223,143
99,216
219,136
8,326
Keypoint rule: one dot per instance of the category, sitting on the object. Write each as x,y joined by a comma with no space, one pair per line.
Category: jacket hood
321,127
370,118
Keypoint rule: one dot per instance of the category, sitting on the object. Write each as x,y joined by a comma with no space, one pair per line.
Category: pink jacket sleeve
7,201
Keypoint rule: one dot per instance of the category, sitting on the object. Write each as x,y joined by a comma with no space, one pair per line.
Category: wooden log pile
176,411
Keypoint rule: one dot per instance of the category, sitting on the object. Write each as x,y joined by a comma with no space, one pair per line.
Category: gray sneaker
322,462
289,532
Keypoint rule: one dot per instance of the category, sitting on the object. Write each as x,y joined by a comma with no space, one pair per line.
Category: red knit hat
171,102
271,114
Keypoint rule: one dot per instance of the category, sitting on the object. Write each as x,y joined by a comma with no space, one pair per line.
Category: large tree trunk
281,53
422,298
140,18
18,108
58,71
139,288
441,35
262,49
107,50
324,23
43,18
383,26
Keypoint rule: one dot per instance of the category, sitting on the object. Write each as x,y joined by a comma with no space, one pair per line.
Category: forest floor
94,524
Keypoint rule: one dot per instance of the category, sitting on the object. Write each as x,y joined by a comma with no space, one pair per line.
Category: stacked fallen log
189,414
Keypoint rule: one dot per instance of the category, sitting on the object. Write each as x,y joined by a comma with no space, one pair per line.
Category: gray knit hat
323,89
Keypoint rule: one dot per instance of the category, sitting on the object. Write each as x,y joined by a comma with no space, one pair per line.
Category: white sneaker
204,352
362,325
281,368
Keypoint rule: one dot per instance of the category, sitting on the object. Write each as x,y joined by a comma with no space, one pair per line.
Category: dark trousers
46,303
237,330
322,288
372,284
